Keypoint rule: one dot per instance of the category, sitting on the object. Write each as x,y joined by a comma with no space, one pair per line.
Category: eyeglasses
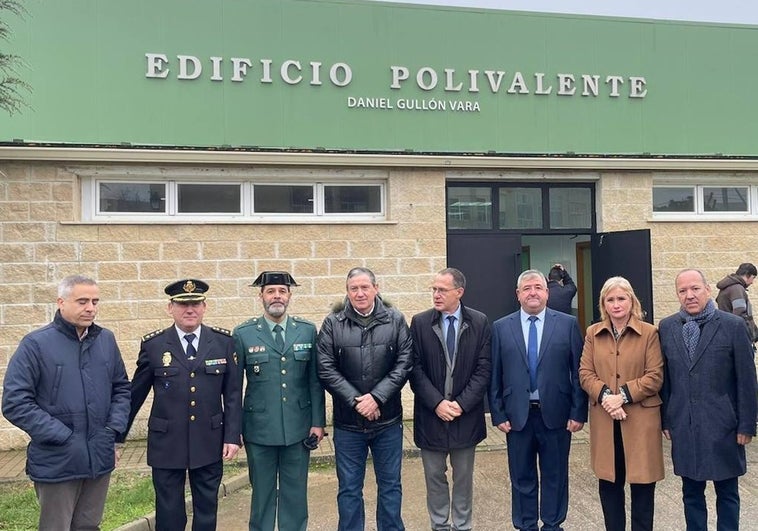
442,290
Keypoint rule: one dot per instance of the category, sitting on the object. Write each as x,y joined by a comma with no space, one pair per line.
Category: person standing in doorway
451,372
284,413
536,400
66,387
561,288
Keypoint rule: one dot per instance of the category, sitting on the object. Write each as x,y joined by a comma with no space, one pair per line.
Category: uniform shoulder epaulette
153,334
302,320
221,330
249,322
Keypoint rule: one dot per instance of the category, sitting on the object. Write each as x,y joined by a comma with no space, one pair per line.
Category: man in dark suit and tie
283,406
536,400
196,415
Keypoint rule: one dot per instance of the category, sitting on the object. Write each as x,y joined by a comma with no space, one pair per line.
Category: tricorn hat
188,290
278,278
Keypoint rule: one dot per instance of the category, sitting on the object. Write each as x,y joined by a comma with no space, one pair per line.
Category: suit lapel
678,338
548,327
174,347
518,333
205,348
292,334
706,336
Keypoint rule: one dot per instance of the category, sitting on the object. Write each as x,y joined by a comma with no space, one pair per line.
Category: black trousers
612,494
170,513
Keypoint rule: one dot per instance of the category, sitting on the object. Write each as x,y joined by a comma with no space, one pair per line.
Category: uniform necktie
191,351
278,337
531,349
450,337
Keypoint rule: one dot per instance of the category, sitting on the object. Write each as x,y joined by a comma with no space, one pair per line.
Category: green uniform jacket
283,397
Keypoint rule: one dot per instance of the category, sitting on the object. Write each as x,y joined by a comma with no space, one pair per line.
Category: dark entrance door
627,254
491,263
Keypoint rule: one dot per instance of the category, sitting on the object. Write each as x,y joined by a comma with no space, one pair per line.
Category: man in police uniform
196,415
283,406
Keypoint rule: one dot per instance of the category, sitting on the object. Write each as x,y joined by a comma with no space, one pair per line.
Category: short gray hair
358,271
529,273
66,286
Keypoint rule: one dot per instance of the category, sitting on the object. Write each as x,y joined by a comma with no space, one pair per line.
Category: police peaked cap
188,290
277,278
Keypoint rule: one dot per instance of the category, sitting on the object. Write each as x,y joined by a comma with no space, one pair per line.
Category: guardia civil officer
196,415
283,406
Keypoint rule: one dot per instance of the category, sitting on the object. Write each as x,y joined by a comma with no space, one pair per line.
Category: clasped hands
613,405
367,406
448,410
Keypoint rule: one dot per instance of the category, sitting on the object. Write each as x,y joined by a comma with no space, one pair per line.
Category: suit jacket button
192,417
192,375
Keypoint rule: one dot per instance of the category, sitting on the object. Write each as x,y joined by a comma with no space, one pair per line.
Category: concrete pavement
491,497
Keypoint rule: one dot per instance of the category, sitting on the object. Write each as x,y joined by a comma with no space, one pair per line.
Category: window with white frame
734,201
114,198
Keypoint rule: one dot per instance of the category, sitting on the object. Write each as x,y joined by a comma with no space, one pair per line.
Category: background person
451,372
622,371
709,400
733,297
196,415
365,356
561,288
538,414
283,406
67,388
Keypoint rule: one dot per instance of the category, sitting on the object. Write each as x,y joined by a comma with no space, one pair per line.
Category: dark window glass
132,198
210,198
570,208
348,199
469,208
285,199
520,208
673,199
725,199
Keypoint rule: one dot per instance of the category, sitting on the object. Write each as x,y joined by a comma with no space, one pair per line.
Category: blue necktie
191,352
450,337
278,337
531,350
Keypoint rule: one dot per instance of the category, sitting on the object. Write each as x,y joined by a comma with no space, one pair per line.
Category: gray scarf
692,324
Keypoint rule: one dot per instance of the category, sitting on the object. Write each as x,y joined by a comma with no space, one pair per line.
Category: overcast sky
733,11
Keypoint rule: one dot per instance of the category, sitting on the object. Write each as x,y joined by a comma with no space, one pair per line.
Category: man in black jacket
365,357
451,372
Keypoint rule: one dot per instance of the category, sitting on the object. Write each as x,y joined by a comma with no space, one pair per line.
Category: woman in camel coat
622,371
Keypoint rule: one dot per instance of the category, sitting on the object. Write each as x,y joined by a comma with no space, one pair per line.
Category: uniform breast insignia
302,346
256,369
220,361
221,330
166,359
256,348
152,334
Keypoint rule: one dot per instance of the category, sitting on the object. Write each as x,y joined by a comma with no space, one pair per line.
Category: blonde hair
624,285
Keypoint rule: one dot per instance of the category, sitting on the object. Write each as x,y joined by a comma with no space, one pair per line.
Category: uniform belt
534,404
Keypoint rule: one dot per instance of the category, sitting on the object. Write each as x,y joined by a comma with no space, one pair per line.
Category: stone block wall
41,242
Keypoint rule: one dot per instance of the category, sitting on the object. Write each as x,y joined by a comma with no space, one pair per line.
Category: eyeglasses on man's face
442,291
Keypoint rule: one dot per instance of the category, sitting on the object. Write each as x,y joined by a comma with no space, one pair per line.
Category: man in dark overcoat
709,400
451,373
195,420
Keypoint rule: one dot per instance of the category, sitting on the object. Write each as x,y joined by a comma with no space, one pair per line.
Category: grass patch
18,506
130,496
